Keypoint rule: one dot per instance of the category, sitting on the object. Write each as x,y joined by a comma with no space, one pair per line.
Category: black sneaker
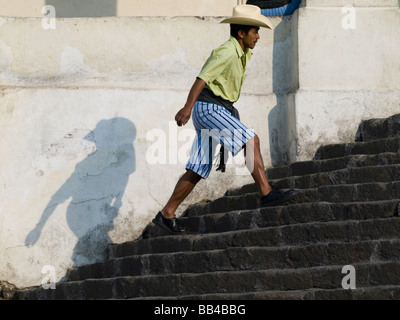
170,225
276,197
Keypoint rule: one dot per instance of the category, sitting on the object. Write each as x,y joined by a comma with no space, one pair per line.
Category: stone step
302,168
388,292
286,235
378,146
328,193
351,175
249,258
238,282
373,129
284,215
301,234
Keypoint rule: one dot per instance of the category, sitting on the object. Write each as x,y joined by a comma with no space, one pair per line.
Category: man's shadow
95,190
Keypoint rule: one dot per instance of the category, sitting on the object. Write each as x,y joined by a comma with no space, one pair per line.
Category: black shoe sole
164,227
279,201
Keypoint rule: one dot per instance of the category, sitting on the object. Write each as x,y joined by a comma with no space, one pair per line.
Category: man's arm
183,115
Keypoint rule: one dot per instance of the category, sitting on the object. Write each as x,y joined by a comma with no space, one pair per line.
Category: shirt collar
239,49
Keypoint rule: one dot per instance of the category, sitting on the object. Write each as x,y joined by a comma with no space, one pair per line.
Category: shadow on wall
84,8
95,190
284,85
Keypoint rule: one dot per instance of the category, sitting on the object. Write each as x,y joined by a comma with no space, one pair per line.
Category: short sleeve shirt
225,70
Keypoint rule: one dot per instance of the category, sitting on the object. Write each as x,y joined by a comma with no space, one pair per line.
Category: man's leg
182,189
255,164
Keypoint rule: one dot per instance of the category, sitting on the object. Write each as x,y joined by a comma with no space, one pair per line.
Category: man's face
250,39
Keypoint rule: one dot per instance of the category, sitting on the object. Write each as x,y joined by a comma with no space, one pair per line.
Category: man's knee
193,176
252,144
256,140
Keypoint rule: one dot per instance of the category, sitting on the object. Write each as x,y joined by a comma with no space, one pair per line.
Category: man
210,101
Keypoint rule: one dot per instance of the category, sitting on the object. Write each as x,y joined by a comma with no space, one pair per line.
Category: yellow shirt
225,70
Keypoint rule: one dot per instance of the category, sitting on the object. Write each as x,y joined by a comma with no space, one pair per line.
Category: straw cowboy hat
248,15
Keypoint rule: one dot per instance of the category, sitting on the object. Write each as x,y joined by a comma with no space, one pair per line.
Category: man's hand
183,116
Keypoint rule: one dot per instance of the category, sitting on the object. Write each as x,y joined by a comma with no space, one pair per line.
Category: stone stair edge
272,270
270,248
321,162
283,215
306,294
336,150
372,246
316,188
211,281
193,236
301,205
395,138
249,236
376,128
276,181
335,193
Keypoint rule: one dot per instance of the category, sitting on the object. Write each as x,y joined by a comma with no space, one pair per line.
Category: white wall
118,8
349,70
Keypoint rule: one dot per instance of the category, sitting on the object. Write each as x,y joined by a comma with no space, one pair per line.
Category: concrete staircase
345,213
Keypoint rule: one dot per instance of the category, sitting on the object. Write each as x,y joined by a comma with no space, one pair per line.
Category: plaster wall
349,70
118,8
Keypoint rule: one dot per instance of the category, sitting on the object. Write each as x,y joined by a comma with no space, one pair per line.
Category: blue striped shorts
214,125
